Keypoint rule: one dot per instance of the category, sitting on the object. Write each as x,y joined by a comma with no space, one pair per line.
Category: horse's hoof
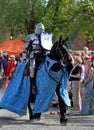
33,118
63,121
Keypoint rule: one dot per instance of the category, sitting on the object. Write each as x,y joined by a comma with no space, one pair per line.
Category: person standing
2,74
88,95
75,78
86,53
10,70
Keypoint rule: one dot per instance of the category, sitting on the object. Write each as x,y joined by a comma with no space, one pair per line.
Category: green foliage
62,17
86,17
20,15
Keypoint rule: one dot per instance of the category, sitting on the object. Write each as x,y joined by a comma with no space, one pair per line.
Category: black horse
60,54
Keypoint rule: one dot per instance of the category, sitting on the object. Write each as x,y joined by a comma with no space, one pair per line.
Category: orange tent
12,47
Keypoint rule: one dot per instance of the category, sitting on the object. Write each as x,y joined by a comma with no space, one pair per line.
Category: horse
52,75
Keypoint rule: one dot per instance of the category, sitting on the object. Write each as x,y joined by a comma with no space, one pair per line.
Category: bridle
61,54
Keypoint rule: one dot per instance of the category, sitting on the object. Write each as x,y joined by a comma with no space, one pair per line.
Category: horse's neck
53,56
53,53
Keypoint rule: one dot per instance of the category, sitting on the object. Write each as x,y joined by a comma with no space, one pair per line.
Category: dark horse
62,62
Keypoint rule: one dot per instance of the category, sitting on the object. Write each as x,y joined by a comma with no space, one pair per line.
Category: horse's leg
32,100
30,110
29,102
36,116
62,107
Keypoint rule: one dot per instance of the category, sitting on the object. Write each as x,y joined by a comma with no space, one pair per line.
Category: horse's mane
53,52
61,44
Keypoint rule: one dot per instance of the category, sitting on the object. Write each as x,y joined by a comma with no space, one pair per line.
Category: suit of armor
33,47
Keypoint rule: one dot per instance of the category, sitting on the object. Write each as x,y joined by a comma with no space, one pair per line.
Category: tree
62,17
20,16
85,18
69,17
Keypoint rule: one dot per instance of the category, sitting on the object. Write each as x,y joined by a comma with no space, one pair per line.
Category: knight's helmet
39,28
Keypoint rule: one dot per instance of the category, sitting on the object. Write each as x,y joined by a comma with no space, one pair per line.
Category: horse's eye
65,54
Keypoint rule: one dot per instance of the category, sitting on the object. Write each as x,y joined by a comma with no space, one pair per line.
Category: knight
33,49
37,46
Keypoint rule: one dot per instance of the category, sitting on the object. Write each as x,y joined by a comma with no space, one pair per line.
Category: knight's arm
27,43
27,46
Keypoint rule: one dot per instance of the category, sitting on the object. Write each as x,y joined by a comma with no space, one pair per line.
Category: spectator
75,77
5,61
92,58
88,95
10,69
1,71
86,53
82,78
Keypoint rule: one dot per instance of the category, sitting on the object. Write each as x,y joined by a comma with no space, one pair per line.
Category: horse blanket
46,83
16,96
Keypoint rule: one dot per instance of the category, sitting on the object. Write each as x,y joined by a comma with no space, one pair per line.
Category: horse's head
60,52
63,51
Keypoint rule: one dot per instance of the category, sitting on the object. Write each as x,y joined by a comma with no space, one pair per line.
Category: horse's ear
66,39
60,39
59,42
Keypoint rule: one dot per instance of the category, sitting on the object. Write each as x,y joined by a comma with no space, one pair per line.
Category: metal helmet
39,28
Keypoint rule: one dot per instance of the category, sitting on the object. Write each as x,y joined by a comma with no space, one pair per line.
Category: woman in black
75,78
